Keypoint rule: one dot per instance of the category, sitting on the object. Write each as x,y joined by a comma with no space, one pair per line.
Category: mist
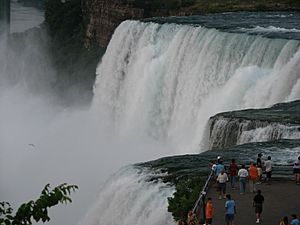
43,140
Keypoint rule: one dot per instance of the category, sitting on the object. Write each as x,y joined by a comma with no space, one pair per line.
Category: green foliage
36,210
187,193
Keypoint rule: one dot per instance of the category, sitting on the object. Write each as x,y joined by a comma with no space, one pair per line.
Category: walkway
281,198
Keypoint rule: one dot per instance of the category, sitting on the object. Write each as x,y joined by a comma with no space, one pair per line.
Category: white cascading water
271,132
127,198
166,80
227,132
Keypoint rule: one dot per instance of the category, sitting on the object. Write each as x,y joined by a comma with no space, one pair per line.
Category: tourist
209,212
213,168
268,167
230,210
191,220
180,222
259,165
296,170
284,221
233,171
258,201
243,174
253,177
219,167
222,179
295,220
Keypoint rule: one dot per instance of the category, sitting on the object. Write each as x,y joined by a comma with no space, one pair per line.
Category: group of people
254,174
230,209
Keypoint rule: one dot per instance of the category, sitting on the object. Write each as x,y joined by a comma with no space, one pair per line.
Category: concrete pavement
282,198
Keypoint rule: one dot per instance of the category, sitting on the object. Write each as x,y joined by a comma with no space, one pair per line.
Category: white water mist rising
129,198
167,80
43,141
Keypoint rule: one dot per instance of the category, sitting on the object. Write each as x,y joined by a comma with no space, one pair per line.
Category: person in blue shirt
230,210
219,167
295,221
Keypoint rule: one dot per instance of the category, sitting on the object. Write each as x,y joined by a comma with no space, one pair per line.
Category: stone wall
101,17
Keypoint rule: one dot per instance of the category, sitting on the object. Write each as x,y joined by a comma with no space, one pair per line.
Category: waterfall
166,80
228,132
127,198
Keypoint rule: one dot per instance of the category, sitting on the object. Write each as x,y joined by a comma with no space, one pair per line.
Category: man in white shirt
243,174
268,167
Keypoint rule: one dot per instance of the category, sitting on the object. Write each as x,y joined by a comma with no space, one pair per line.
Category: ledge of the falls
285,113
281,121
174,168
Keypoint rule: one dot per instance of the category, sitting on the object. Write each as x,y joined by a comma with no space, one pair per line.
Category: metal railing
199,207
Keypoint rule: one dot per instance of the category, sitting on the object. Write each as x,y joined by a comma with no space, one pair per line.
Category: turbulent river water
156,87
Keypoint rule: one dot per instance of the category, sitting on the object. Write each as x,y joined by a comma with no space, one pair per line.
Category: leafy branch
36,210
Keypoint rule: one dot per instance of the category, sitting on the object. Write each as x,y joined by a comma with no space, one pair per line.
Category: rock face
282,121
103,16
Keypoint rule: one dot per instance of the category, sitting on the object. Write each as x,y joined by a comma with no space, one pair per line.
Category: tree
185,196
36,210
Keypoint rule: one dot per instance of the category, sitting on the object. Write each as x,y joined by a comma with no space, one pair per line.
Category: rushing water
157,85
166,80
272,24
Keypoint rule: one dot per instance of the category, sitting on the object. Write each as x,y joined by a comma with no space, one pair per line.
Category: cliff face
103,16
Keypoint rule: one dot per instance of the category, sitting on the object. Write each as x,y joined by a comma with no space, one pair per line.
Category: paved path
281,198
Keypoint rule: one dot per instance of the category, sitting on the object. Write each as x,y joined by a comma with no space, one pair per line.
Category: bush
187,193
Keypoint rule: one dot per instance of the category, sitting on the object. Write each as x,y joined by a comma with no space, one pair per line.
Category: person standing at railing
233,171
243,174
253,177
219,167
296,170
191,220
209,212
259,165
268,166
213,166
